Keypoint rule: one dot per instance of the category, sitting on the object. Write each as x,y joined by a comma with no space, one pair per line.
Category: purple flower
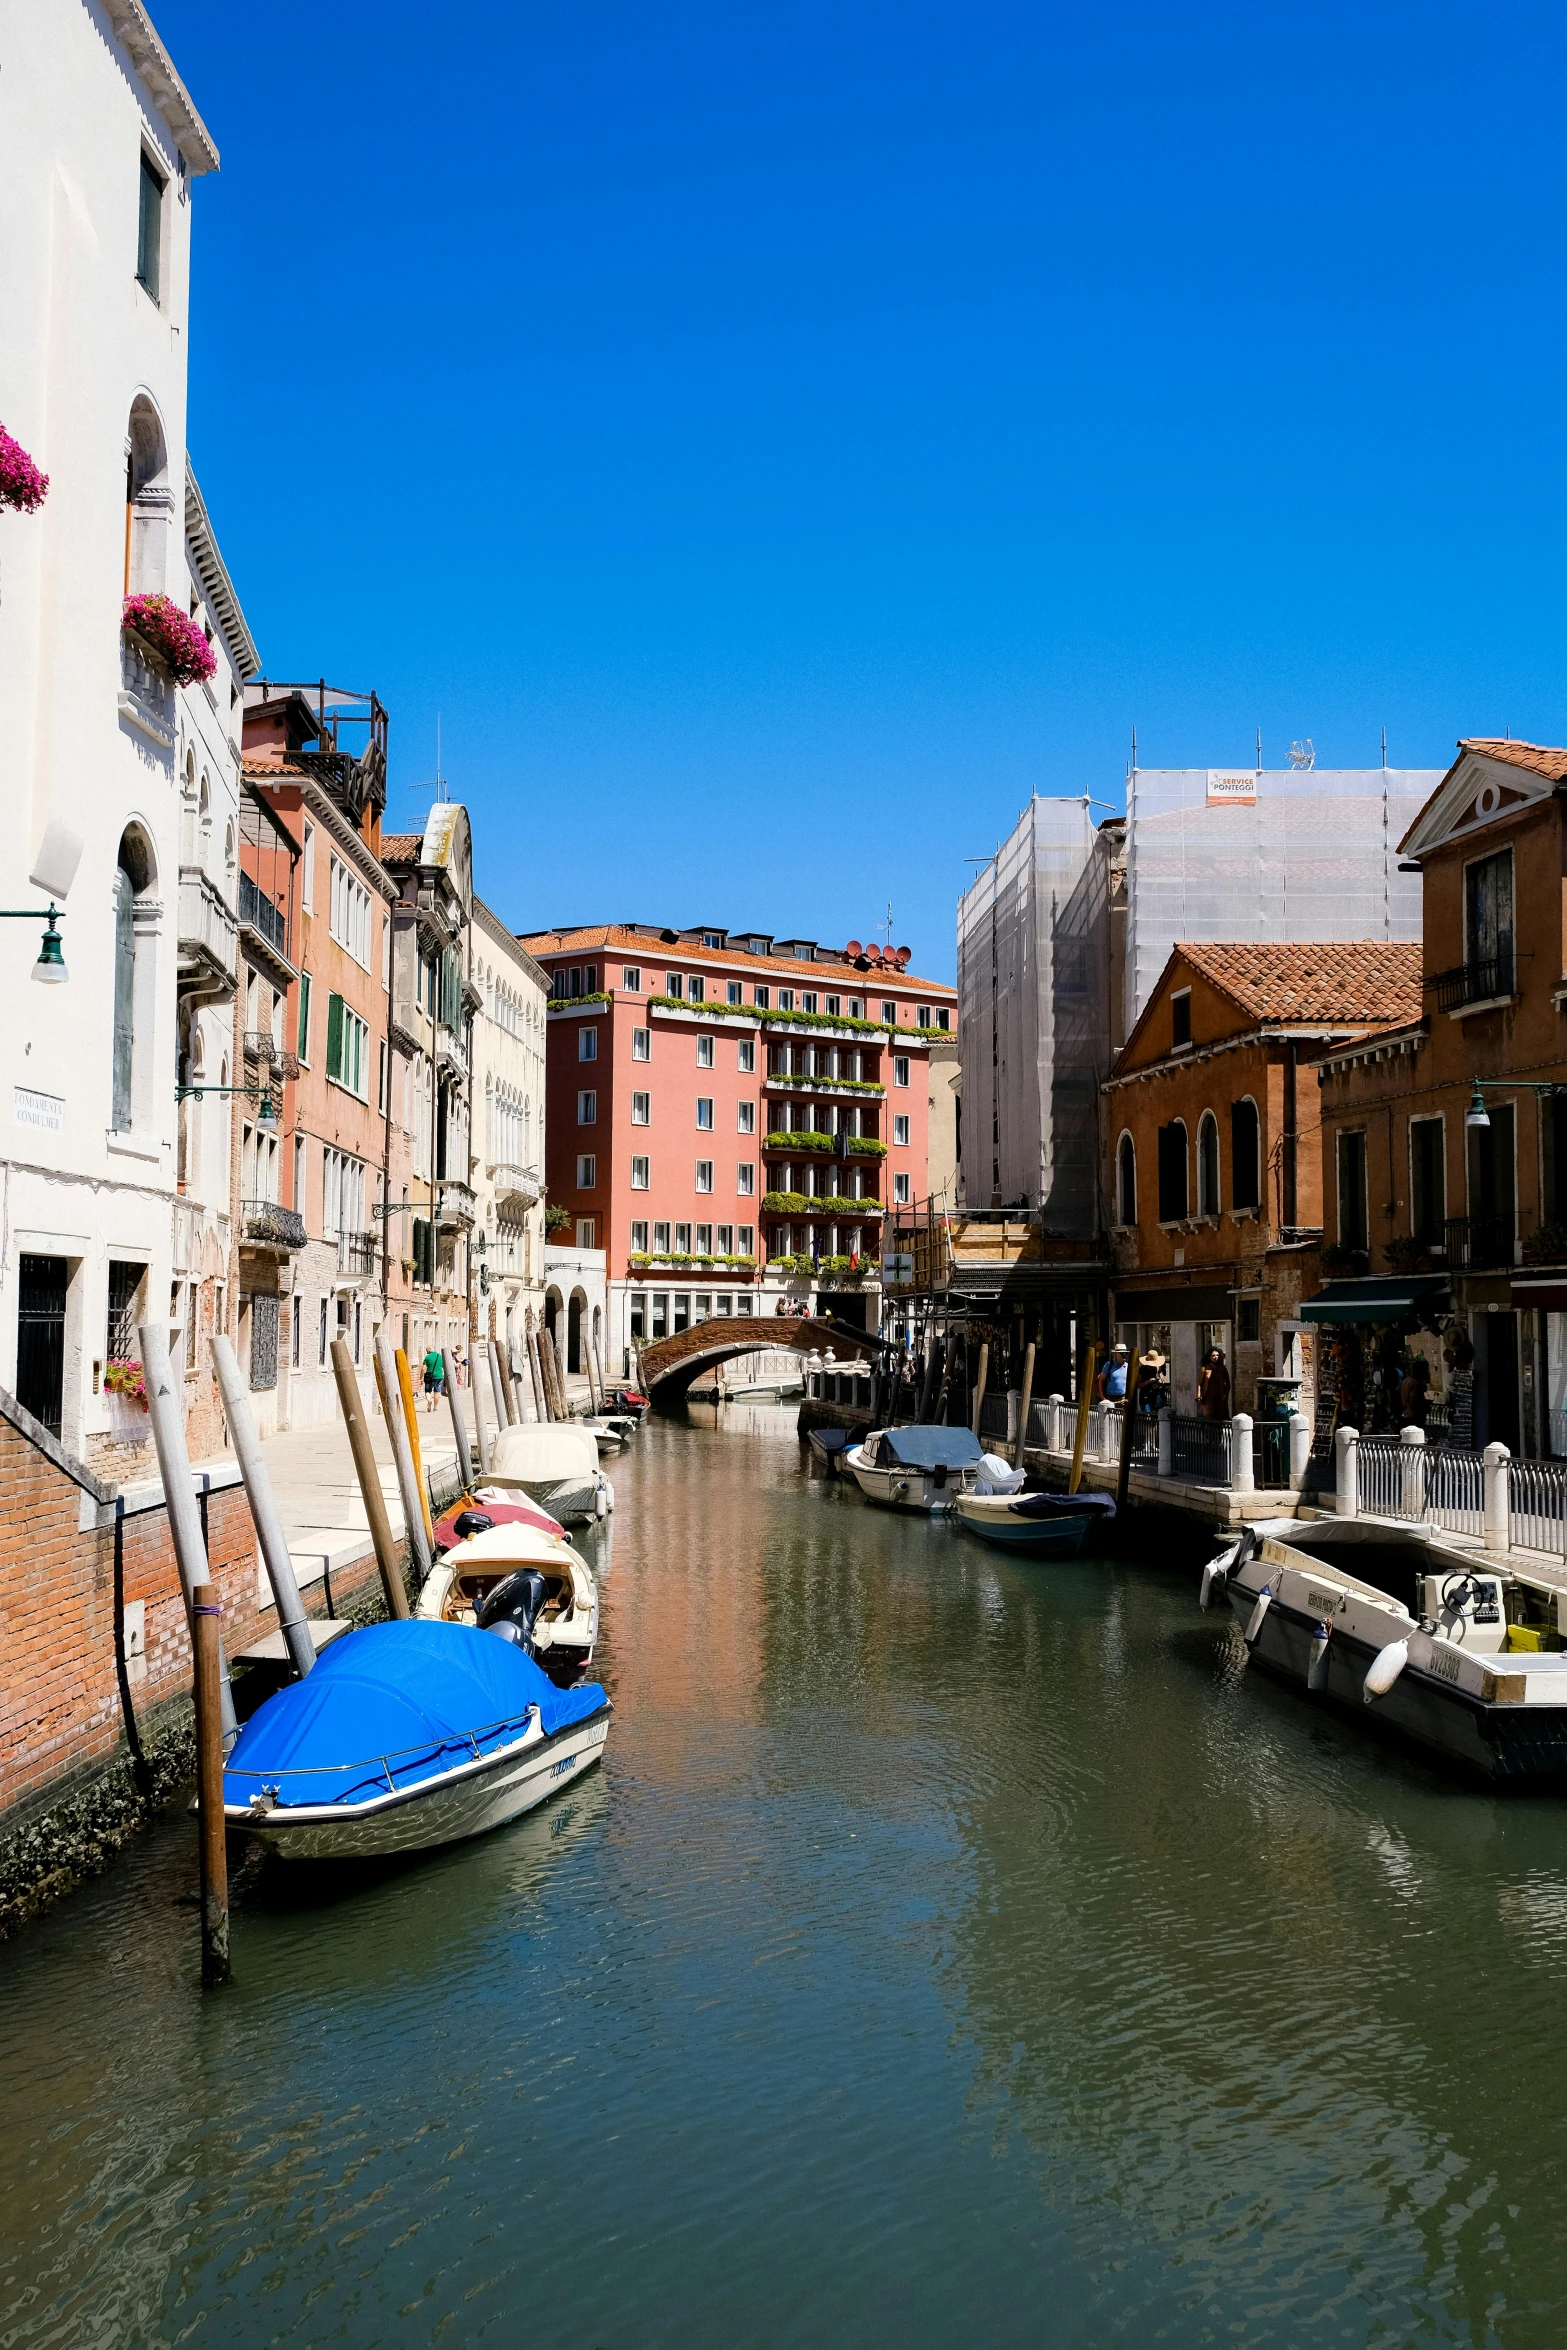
172,635
21,483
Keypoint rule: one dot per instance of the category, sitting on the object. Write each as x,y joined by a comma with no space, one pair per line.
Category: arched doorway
574,1332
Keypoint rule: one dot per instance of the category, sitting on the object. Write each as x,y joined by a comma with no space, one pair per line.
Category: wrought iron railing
1477,1241
1199,1449
1270,1455
264,1220
1477,982
1537,1505
359,1252
257,909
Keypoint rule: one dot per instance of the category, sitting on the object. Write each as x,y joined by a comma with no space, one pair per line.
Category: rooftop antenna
889,926
1384,750
1259,750
438,786
1304,754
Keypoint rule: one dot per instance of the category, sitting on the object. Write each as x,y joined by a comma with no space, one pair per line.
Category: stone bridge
670,1364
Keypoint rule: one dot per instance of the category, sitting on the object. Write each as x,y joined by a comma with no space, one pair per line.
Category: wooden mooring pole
359,1444
1025,1405
1085,1404
1128,1431
459,1428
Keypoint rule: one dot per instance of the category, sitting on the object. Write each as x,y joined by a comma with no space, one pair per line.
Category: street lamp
266,1113
49,970
1478,1119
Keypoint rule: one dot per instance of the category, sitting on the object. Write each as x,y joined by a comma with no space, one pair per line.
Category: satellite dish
853,951
873,957
903,957
1304,754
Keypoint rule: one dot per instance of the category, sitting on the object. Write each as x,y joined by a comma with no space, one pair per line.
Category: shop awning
1388,1298
1542,1289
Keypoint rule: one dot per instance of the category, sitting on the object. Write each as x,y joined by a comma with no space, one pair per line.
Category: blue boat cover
930,1448
414,1698
1063,1505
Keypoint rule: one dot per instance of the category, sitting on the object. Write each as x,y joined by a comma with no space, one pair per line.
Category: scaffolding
1313,857
1033,996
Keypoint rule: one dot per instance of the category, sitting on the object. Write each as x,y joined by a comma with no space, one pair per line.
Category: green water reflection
951,1950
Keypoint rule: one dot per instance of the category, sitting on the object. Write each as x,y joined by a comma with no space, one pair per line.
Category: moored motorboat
405,1736
516,1575
556,1462
1438,1643
496,1509
828,1446
1040,1525
917,1468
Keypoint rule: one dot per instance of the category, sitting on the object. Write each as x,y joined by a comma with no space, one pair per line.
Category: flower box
22,487
171,636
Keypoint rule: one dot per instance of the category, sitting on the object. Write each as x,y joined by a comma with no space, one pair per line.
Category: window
900,1191
1181,1019
834,1007
638,1301
786,999
1488,925
703,1240
638,1237
302,1028
900,1128
745,1174
149,228
1172,1172
734,993
704,1052
856,1007
943,1017
383,1091
631,979
661,1240
307,871
900,1069
587,1171
1352,1190
1248,1321
1207,1164
1428,1180
642,1044
889,1012
639,1174
587,1044
696,988
1126,1181
586,1226
587,1109
1245,1156
704,1113
807,1003
347,1048
321,1338
350,914
682,1240
747,1060
641,1109
712,938
761,997
922,1015
660,1315
748,1117
704,1174
745,1235
675,986
724,1239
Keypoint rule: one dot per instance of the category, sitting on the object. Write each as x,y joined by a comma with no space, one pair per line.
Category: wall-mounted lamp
49,970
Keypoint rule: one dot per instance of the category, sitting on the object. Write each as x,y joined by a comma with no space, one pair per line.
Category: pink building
730,1115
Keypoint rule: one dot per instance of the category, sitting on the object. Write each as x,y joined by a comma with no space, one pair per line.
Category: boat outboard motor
469,1522
512,1608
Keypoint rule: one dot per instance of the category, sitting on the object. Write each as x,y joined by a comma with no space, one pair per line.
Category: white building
508,1135
121,789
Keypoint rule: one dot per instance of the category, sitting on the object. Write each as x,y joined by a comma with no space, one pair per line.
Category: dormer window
1181,1020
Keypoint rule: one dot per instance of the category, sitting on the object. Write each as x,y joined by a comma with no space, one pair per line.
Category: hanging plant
172,635
21,483
125,1380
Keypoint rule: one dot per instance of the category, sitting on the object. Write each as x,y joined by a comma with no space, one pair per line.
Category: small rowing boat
405,1736
555,1462
1039,1525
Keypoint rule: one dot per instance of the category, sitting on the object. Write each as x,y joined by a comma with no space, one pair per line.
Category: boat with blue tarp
1039,1525
408,1735
916,1468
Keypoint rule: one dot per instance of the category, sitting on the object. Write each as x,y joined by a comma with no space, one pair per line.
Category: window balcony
521,1185
1482,1243
1488,980
146,693
848,1088
264,1224
359,1254
457,1207
821,1207
207,950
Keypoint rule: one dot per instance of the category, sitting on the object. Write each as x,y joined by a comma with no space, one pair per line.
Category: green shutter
334,1037
302,1047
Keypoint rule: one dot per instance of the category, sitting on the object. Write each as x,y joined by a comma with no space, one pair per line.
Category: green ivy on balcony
797,1142
573,1003
866,1146
773,1014
780,1082
707,1264
841,1211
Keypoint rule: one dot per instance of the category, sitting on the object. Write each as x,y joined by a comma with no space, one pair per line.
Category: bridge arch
669,1365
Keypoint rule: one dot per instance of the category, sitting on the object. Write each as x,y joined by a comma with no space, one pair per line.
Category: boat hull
905,1489
1059,1538
465,1802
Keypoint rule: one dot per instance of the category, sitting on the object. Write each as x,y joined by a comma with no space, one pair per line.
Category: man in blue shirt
1112,1379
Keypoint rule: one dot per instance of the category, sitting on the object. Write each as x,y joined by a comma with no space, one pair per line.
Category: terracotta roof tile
1371,981
405,846
646,946
1530,756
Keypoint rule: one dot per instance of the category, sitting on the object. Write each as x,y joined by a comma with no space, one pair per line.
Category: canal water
952,1951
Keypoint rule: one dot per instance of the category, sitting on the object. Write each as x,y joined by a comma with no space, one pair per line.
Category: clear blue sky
778,438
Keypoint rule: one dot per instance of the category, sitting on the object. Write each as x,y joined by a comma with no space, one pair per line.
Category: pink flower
172,635
21,483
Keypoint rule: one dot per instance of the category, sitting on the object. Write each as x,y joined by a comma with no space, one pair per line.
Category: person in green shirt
434,1375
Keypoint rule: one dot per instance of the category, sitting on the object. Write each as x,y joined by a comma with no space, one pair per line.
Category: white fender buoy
600,1505
1385,1668
1317,1662
1213,1574
1254,1620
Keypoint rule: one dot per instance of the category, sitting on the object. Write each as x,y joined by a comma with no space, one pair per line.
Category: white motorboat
1457,1654
556,1462
405,1736
556,1609
1038,1525
916,1468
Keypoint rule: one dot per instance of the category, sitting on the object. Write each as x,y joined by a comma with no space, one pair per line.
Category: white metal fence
1431,1485
1537,1505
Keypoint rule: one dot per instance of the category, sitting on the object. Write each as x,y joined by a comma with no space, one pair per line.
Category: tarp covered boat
408,1735
1040,1525
916,1468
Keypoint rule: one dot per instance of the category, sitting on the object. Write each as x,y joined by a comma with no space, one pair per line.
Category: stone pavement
318,1497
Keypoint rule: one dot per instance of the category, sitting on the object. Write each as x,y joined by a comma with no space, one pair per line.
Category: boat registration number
568,1762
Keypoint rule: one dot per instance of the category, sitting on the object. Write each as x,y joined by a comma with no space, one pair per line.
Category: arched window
1207,1164
133,1006
1245,1155
149,502
1126,1180
1172,1172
